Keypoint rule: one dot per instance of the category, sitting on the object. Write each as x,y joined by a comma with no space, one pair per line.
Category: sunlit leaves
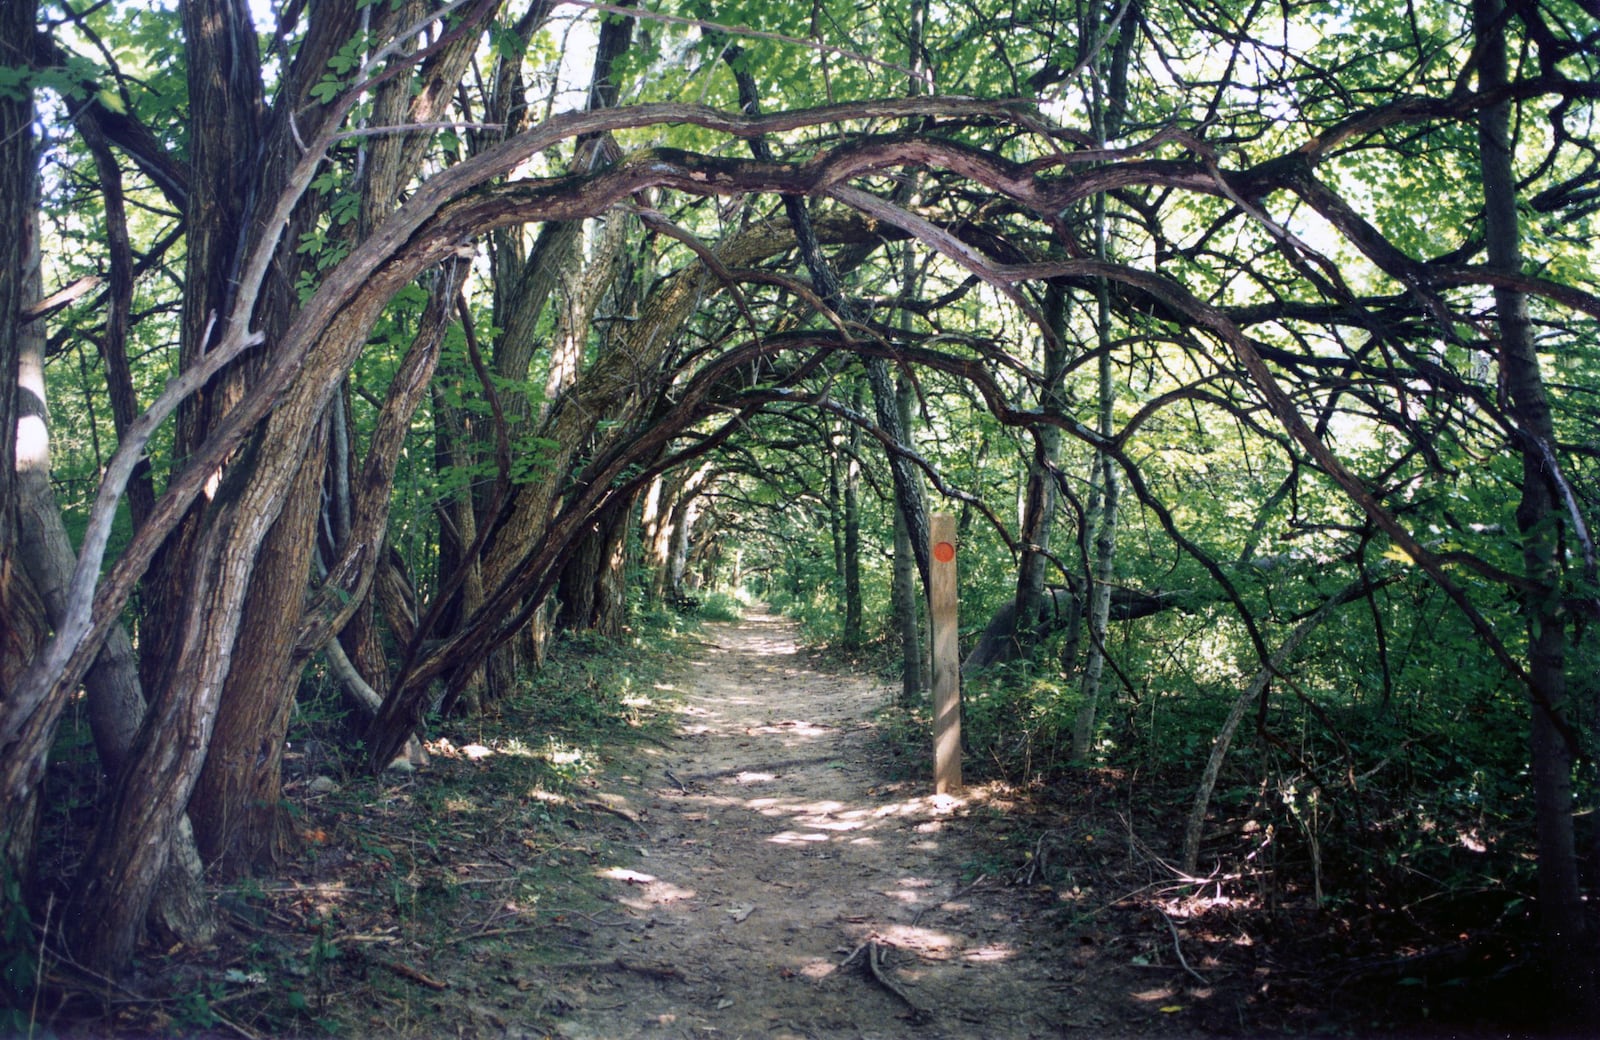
506,43
76,79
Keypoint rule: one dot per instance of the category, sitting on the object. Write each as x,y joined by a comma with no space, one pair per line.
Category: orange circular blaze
944,552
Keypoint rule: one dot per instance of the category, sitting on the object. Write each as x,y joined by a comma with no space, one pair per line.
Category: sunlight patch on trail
823,823
795,837
652,890
926,942
989,953
795,727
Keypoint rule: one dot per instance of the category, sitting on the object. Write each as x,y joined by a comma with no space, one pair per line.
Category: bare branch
406,128
49,669
60,298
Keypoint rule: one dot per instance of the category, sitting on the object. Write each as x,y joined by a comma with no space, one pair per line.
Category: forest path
772,847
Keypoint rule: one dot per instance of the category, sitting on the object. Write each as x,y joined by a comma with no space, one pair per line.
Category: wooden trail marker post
943,604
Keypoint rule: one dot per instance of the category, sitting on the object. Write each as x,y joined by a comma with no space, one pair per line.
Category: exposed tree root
874,964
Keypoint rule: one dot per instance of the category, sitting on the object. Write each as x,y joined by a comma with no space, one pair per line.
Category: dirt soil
785,887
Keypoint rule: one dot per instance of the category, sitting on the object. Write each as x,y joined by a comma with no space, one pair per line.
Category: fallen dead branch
596,806
874,963
560,911
406,971
1037,868
1177,947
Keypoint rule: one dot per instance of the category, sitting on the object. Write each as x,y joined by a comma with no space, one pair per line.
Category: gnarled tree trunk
115,702
592,593
237,804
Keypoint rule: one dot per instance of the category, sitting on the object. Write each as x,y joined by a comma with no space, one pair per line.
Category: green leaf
327,88
14,80
506,43
344,209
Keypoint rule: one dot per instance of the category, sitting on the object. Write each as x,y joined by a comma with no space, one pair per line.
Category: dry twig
1177,948
406,971
765,767
596,806
1038,864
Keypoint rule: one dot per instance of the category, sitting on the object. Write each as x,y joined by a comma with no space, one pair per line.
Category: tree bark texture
593,588
25,730
1039,495
557,246
684,514
114,701
113,346
1565,922
128,851
225,109
237,805
1105,115
852,541
903,589
610,388
1103,522
654,516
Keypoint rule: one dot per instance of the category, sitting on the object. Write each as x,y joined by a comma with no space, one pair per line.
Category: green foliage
593,689
1017,718
507,788
18,960
506,43
721,606
192,1010
903,735
342,67
75,80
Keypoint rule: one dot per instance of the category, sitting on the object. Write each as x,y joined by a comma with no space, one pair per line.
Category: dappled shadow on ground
763,871
780,857
786,885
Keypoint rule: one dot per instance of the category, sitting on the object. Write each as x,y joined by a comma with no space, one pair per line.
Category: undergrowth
1366,845
414,898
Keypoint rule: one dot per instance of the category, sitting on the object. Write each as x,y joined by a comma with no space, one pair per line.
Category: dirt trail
772,848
